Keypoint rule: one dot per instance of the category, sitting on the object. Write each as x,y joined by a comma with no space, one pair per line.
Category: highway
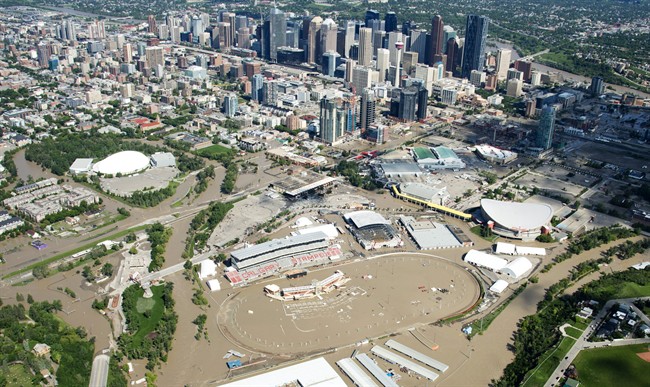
582,342
99,373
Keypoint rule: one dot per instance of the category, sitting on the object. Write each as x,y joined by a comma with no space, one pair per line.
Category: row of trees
228,183
628,249
203,223
202,179
158,238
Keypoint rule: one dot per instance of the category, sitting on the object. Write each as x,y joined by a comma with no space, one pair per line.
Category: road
99,373
582,342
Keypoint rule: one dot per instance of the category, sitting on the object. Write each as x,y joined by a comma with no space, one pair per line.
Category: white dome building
125,163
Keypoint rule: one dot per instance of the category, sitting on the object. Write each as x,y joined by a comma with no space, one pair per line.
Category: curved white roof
517,267
125,162
365,218
517,216
482,259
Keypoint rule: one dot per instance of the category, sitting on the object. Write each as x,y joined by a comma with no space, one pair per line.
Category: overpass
445,210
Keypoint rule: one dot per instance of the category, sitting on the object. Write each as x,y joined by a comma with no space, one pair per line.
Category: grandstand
266,259
372,230
327,285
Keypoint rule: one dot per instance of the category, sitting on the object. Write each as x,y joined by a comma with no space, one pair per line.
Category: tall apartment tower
332,121
474,48
503,62
368,109
365,46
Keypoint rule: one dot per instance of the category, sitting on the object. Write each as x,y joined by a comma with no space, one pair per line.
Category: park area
213,150
613,366
149,312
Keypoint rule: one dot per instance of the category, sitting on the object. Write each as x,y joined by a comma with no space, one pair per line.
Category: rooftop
517,216
315,372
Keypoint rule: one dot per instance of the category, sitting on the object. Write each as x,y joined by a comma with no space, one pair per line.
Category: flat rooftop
315,372
430,235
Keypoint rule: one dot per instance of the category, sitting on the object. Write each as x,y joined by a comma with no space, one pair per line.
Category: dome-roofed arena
517,220
125,163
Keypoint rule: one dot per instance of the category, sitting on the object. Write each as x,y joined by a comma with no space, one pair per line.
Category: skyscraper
448,33
365,46
544,135
332,121
154,56
597,86
503,62
127,53
423,99
371,15
368,109
453,54
435,43
230,105
328,33
474,48
348,40
313,39
257,82
526,67
331,59
383,63
407,101
151,24
277,33
391,22
419,44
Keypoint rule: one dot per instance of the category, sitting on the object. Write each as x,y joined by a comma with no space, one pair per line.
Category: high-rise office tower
503,62
257,82
383,63
544,134
408,99
423,100
197,26
368,109
362,78
277,33
350,64
427,75
313,39
448,33
409,62
474,48
407,27
526,67
514,74
390,21
453,54
514,87
348,40
597,86
435,43
393,38
378,38
370,16
226,17
365,46
331,59
328,32
419,44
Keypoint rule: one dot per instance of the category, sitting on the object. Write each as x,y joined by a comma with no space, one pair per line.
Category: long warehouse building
433,363
351,369
404,362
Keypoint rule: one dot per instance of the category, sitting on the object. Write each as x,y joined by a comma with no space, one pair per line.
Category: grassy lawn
477,231
213,150
573,332
18,375
548,362
631,289
155,306
613,366
580,323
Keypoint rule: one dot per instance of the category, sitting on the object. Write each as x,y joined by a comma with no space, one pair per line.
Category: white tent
328,229
517,268
522,250
214,285
499,286
505,248
479,258
303,222
208,269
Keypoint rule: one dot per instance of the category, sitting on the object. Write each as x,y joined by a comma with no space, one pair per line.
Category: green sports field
613,366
